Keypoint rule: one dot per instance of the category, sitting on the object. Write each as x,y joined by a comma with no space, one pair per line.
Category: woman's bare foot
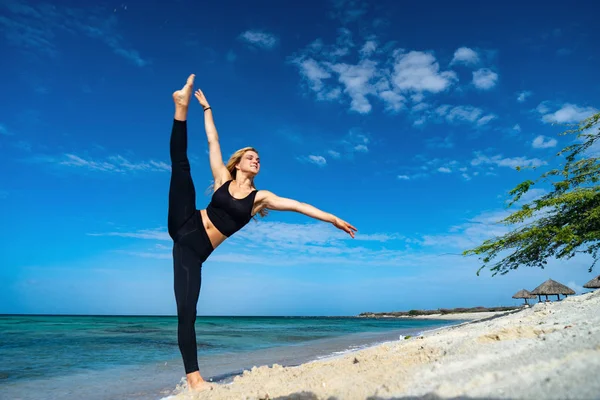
182,98
196,383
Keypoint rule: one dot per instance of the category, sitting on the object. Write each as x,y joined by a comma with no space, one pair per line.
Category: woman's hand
343,225
201,99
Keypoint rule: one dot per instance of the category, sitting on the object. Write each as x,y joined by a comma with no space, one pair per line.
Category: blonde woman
196,233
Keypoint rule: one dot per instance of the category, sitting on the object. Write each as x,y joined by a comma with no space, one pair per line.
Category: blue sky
406,120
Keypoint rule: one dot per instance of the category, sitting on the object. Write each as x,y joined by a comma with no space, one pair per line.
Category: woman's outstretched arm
219,171
271,201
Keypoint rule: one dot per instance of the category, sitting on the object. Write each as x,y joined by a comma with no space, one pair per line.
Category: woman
196,233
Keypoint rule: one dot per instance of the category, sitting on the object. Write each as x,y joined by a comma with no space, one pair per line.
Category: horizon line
171,315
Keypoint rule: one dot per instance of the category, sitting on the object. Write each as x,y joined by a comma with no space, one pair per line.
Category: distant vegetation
414,313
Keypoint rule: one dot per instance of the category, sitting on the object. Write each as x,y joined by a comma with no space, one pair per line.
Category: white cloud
418,98
34,27
259,39
355,79
75,161
334,154
485,119
343,46
517,127
329,53
314,74
276,234
386,76
368,48
543,107
465,55
355,141
125,164
467,113
404,177
485,78
522,96
509,162
542,142
116,164
418,71
568,113
318,160
420,121
280,243
430,166
470,234
394,102
152,234
381,237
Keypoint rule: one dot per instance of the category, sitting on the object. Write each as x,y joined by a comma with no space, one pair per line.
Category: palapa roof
552,287
593,284
523,294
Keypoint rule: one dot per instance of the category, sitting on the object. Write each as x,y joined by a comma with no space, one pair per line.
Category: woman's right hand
201,99
343,225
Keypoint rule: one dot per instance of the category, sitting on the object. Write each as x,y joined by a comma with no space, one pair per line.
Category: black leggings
191,245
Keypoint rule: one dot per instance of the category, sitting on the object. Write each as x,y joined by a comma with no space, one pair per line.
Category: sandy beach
547,351
474,316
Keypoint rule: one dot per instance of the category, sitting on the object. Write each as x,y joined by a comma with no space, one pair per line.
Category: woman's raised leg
186,265
182,194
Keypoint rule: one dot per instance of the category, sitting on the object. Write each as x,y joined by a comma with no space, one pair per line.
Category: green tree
561,223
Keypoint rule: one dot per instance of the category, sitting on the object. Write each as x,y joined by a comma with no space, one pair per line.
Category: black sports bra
227,213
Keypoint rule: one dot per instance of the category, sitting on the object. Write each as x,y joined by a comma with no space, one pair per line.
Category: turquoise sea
136,357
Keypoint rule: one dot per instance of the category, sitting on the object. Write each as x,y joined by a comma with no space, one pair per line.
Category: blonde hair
231,164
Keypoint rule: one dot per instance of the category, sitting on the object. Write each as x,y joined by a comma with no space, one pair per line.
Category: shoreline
228,378
471,318
443,313
547,350
158,369
474,316
353,342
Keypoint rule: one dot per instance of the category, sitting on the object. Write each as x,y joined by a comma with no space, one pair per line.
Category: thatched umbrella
551,287
523,294
593,284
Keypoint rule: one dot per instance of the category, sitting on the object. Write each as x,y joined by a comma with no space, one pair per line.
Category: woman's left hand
343,225
201,99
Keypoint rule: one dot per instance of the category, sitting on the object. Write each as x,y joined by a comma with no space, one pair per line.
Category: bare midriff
214,235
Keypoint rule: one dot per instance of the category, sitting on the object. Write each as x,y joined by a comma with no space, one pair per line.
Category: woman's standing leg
186,264
187,272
